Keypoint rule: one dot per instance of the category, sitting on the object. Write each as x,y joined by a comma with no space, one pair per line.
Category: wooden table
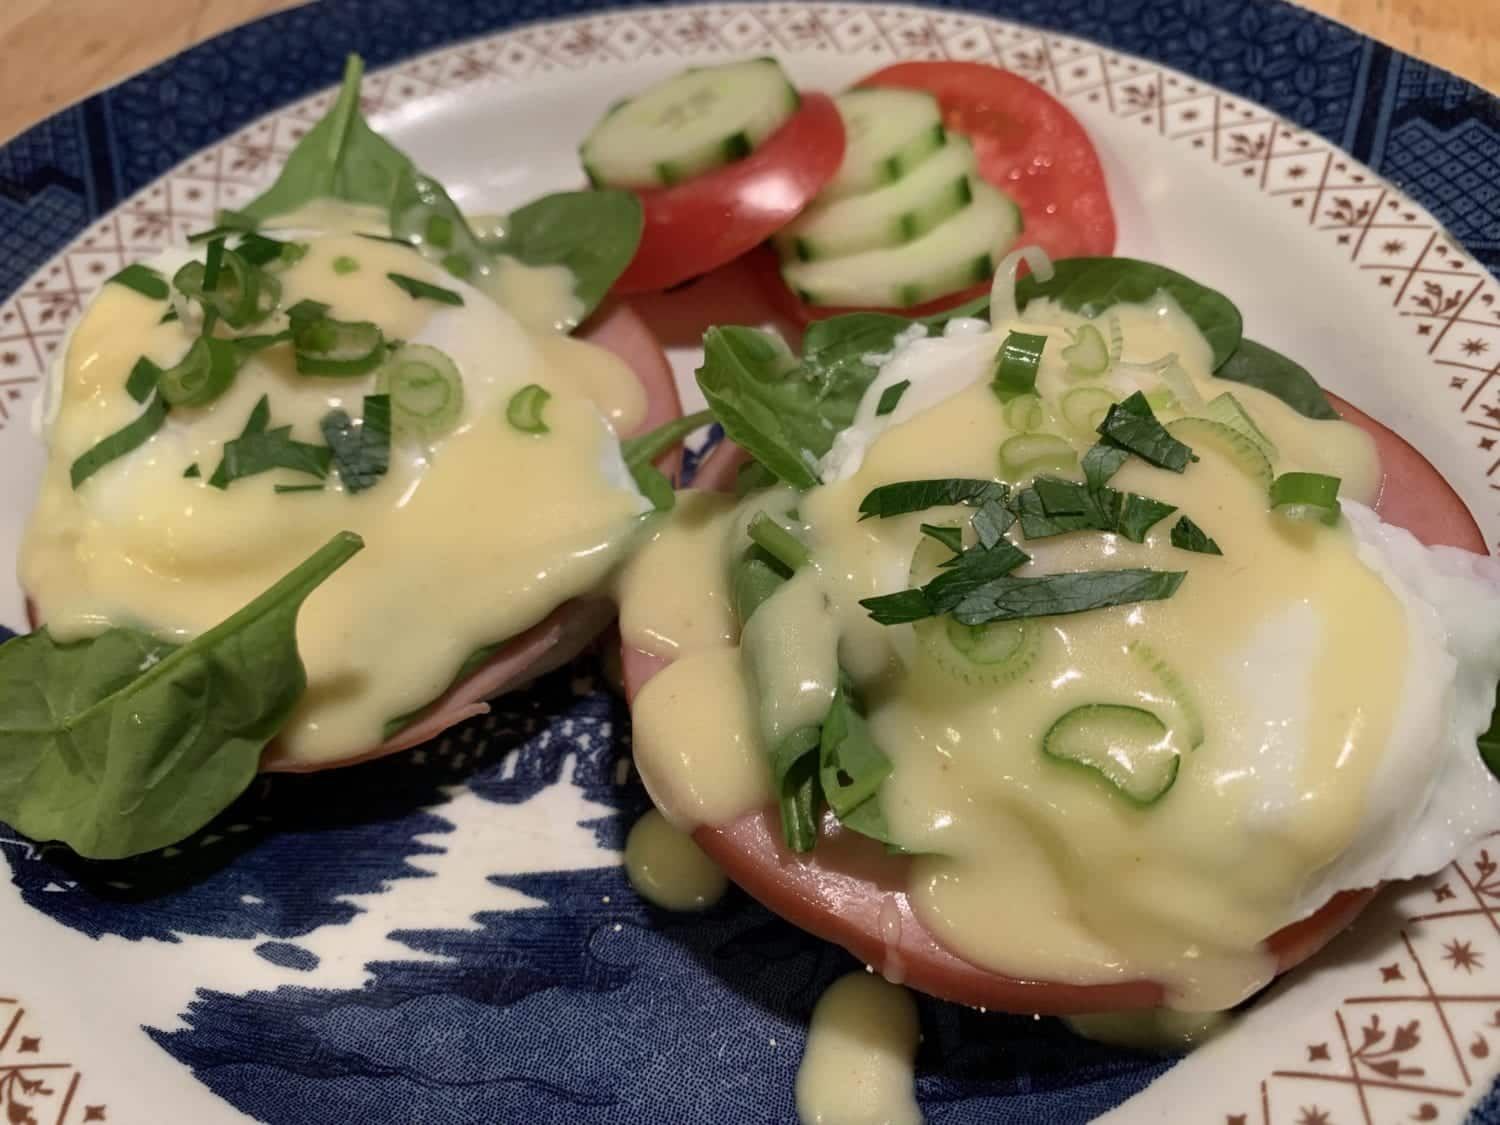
53,52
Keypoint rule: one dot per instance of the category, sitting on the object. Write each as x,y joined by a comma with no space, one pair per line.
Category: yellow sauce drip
669,869
1289,649
469,541
857,1068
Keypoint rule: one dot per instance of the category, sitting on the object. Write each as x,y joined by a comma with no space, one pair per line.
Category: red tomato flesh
846,890
701,223
1027,144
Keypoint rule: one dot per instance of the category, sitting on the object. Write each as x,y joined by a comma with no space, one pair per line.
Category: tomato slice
1027,144
701,223
849,889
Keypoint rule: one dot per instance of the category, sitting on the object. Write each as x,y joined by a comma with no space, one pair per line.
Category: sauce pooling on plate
500,493
1143,790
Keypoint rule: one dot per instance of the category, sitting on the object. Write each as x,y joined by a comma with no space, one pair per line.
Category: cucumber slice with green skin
886,216
1229,411
1024,455
1206,436
1083,408
957,253
1129,747
690,123
887,135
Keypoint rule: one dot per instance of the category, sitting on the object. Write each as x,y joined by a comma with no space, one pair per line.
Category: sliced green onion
890,398
229,222
524,411
259,250
778,542
124,440
325,346
202,375
229,287
1024,413
144,280
1228,411
1026,454
1176,379
344,265
417,289
1016,365
1307,496
981,655
427,392
1083,408
1088,354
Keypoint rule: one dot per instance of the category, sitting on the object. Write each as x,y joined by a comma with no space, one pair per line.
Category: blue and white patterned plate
448,936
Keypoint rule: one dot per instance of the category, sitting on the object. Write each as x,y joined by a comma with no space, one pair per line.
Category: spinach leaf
1188,536
852,766
1008,598
1258,366
918,495
1489,741
125,743
1131,425
593,233
1090,285
340,157
785,413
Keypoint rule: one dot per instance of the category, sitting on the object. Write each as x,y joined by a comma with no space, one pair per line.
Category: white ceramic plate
1399,1021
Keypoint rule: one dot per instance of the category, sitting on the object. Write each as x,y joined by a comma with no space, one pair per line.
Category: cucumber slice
1083,408
1228,411
689,123
1129,747
1204,435
1024,455
886,216
887,134
955,254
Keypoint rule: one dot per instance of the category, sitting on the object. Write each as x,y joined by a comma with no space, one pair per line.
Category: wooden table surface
53,52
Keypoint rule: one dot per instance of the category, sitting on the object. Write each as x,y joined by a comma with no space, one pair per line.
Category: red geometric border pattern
1412,1048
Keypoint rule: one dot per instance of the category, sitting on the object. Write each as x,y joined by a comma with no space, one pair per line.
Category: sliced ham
847,890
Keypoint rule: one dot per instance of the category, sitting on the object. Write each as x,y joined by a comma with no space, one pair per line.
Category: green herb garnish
1188,536
260,449
1010,598
361,453
949,536
124,440
919,495
890,398
1131,425
142,380
417,289
144,280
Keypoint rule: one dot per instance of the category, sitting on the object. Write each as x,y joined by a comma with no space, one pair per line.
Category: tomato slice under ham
849,888
1027,144
713,218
